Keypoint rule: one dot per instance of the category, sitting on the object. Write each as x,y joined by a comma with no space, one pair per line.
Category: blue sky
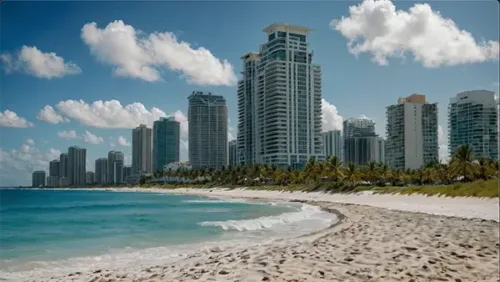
100,66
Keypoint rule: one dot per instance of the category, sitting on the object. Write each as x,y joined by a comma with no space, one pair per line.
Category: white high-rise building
279,101
333,144
208,128
141,150
115,166
473,120
412,133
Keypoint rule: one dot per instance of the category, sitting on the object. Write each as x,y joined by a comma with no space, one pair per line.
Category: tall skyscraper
141,149
166,142
279,101
207,116
76,165
54,168
333,143
38,179
360,141
412,133
473,120
63,165
233,153
101,171
115,165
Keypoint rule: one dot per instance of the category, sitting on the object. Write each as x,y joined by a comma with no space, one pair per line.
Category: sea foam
306,212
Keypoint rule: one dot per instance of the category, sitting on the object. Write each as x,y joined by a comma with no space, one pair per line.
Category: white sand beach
379,238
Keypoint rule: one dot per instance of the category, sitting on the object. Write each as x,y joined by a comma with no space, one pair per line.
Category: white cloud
30,142
16,166
48,114
112,144
330,117
109,114
69,134
376,27
443,145
91,138
136,54
123,141
32,61
11,119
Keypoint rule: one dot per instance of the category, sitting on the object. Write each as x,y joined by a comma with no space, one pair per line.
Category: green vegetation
465,175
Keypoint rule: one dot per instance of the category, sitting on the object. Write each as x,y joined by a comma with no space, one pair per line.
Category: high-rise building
89,177
126,171
381,150
233,153
38,179
101,171
115,165
473,120
141,149
63,165
412,133
360,141
333,143
279,101
76,165
166,142
207,117
54,168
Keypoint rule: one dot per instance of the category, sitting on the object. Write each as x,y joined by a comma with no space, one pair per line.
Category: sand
368,244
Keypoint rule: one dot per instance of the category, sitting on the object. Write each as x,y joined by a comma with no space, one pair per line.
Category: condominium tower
279,101
473,120
166,142
333,144
38,179
76,165
412,133
115,166
207,116
101,171
141,149
63,165
360,141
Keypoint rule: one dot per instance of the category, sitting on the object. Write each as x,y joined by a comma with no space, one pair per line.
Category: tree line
463,166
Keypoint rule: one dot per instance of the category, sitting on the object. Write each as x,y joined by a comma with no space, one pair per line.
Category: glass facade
166,142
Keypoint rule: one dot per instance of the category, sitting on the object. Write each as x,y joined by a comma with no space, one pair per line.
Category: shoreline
367,243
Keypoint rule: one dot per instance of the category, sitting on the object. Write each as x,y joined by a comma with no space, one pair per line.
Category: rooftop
286,27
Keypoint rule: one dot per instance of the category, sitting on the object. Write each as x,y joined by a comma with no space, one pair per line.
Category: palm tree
335,167
372,172
351,175
462,163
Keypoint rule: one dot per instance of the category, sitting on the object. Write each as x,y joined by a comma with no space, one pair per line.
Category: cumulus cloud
11,119
91,138
48,114
443,145
330,117
136,54
377,28
67,134
32,61
17,165
30,142
231,132
123,141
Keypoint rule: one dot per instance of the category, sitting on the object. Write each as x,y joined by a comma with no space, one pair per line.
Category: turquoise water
42,228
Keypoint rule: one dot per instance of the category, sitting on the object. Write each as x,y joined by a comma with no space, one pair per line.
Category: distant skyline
86,73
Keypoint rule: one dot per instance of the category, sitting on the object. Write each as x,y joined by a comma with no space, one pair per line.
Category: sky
85,73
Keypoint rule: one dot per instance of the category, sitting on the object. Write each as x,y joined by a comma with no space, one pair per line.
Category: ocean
53,232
